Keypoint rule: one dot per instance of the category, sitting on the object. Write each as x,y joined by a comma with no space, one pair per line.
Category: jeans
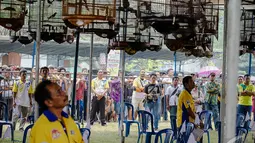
116,107
173,125
243,109
214,109
154,108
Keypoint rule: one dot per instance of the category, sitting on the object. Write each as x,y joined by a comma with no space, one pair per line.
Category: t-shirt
23,90
184,102
169,80
154,90
173,97
212,97
139,83
6,84
246,100
48,129
99,85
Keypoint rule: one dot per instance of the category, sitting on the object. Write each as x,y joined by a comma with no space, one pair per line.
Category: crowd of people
181,97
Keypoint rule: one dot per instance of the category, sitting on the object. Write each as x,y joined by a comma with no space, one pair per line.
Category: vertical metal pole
38,44
175,73
75,72
90,79
250,60
232,45
122,96
223,94
33,54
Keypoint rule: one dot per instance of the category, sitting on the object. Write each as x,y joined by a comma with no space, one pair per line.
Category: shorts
138,104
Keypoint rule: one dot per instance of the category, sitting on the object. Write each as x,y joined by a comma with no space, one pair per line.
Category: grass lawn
109,134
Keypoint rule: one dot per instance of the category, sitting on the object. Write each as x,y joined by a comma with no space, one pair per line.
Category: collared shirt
212,97
245,100
185,101
48,129
23,90
139,83
99,85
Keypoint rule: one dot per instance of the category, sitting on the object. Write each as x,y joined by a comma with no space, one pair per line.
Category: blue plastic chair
144,118
168,135
31,119
184,137
25,132
247,125
241,131
206,117
240,119
82,130
5,121
127,122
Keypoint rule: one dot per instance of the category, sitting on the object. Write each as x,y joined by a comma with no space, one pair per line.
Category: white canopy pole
122,96
38,44
232,54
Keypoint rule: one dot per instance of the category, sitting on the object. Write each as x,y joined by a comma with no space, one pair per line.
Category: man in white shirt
22,99
172,94
167,81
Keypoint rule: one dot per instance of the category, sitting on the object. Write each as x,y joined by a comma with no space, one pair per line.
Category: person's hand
31,103
197,101
168,107
99,97
14,105
201,125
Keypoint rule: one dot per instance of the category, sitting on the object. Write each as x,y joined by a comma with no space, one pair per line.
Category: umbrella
206,71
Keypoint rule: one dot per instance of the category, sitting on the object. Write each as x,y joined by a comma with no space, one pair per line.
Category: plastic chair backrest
189,129
25,133
168,135
144,117
130,106
82,130
247,124
5,110
206,117
240,120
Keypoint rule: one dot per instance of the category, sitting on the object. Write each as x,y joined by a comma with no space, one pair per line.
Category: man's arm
14,90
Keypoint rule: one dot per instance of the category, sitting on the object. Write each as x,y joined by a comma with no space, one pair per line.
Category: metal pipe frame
75,73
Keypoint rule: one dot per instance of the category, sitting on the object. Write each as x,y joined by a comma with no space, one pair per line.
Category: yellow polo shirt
245,100
48,129
185,101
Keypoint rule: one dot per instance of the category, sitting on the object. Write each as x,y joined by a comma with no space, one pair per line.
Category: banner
113,62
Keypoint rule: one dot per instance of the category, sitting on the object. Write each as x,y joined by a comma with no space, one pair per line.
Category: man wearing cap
22,99
211,97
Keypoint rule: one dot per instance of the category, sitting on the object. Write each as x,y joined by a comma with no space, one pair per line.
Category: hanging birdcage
247,37
12,14
53,27
78,13
133,35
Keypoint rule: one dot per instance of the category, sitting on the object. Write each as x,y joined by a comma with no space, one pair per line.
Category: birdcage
12,14
247,37
53,27
78,13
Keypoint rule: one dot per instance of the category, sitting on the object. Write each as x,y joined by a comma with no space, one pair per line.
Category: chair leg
139,135
160,138
148,138
127,129
1,130
208,136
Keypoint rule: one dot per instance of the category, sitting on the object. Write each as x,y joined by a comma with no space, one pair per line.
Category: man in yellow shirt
138,94
54,125
186,106
99,87
246,91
